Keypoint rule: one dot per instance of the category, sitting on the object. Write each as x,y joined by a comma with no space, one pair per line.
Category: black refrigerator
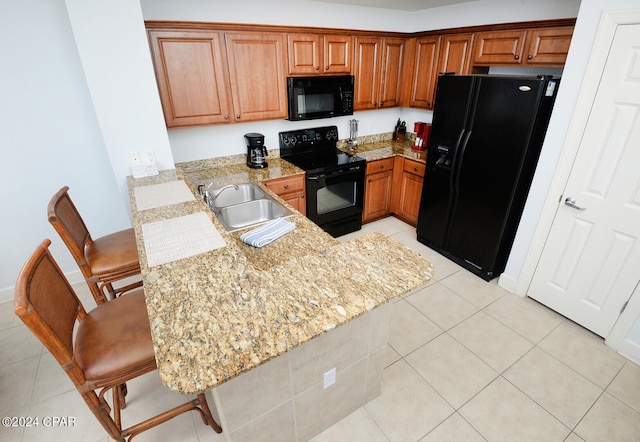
485,140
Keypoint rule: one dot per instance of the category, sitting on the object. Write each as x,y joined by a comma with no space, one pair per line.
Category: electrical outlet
330,377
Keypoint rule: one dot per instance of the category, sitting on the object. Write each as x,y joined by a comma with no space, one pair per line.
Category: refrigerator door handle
455,176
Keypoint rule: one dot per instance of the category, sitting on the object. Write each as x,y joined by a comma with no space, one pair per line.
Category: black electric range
334,179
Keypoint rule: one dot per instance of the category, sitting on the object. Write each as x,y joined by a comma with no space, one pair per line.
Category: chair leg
207,417
123,392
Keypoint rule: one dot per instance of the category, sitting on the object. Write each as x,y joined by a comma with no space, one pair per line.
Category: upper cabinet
210,77
433,55
527,47
378,72
212,73
257,74
316,54
192,77
425,72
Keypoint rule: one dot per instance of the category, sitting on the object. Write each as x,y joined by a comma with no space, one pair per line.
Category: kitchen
86,123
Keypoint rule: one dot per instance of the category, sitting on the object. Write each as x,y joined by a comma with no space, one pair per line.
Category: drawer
286,185
414,167
379,165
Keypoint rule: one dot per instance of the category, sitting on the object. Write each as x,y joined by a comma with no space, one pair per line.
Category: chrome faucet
212,199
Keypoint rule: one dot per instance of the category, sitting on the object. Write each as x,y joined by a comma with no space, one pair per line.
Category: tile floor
466,361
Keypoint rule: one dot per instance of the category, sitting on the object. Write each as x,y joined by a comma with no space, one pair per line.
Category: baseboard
6,294
508,283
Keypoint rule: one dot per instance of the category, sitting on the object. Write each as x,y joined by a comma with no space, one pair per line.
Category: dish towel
268,232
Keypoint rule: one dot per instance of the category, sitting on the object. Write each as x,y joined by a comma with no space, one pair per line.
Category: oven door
335,199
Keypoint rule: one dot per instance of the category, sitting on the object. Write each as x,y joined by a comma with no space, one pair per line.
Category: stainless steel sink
244,205
239,216
235,194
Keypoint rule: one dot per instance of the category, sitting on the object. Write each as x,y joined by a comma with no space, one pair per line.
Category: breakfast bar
285,339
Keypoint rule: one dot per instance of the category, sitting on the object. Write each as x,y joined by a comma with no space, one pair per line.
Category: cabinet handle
529,57
415,169
375,103
317,68
381,166
369,181
226,117
286,186
382,103
516,57
326,68
238,116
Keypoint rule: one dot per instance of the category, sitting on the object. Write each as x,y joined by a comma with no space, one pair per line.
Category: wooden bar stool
111,344
102,261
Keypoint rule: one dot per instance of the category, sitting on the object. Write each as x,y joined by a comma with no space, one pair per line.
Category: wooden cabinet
548,46
292,190
257,74
378,189
204,81
315,54
378,72
455,53
408,189
192,77
425,73
533,47
434,55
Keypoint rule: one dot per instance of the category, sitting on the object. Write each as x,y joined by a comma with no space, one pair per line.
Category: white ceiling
404,5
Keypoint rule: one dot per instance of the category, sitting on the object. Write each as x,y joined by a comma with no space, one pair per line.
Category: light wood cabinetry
315,54
434,55
533,47
193,81
378,72
257,74
292,190
425,73
378,189
455,53
548,46
212,77
408,189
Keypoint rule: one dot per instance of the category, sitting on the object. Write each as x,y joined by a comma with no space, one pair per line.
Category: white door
590,264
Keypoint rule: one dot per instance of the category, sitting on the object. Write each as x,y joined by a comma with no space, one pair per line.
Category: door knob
572,203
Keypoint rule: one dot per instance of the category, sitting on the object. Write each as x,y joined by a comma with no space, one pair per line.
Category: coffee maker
256,151
422,135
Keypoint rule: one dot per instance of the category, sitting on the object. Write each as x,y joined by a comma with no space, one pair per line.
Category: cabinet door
393,50
338,55
455,53
367,73
500,47
378,188
425,72
304,54
292,190
192,77
549,46
410,191
257,73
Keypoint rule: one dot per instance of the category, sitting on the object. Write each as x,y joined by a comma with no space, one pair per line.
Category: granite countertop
221,313
378,147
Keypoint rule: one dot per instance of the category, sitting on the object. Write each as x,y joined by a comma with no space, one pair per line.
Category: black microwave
319,97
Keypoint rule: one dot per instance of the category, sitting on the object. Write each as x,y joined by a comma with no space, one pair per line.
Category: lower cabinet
408,188
292,190
377,189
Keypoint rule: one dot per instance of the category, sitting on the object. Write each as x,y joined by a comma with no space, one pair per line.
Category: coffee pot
256,151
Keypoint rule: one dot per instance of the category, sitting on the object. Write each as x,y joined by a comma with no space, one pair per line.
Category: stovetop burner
314,150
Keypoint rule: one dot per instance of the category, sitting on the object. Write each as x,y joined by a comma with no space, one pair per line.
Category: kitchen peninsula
257,329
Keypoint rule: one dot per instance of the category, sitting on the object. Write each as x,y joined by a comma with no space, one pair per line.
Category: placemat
179,238
164,194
